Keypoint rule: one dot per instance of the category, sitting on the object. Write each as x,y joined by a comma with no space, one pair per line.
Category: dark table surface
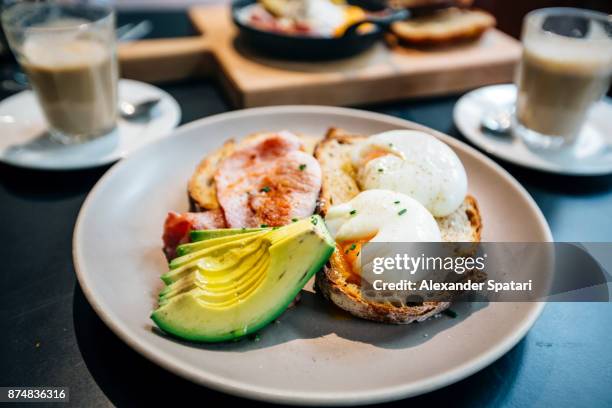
52,337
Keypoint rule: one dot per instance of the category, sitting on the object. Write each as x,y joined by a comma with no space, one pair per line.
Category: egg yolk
374,154
352,15
350,251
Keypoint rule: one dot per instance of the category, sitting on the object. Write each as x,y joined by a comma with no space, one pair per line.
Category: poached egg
378,216
413,163
382,216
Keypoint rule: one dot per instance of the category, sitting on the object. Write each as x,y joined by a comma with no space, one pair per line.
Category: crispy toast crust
201,188
429,4
339,186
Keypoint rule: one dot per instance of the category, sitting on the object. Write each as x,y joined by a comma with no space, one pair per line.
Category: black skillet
302,47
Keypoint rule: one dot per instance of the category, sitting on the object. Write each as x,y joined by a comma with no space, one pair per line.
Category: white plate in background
311,356
590,156
25,143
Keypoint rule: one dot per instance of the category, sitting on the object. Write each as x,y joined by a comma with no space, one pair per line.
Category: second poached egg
382,216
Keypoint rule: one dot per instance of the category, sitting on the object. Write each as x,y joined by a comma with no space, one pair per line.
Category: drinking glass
565,68
68,51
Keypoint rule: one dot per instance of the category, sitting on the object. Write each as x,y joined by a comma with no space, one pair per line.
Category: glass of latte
68,52
565,68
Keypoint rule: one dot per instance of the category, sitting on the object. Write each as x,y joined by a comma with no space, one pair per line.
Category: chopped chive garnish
380,170
264,225
353,212
402,211
294,220
353,246
302,167
396,202
265,189
314,221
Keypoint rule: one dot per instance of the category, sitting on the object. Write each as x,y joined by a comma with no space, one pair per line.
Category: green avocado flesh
211,240
203,235
239,282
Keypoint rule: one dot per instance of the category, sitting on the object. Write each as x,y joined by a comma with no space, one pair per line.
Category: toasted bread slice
429,4
339,186
444,26
201,188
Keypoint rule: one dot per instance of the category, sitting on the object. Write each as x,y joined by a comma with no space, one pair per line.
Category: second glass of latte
565,68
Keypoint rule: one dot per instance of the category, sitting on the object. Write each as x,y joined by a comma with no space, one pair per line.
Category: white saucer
591,155
25,143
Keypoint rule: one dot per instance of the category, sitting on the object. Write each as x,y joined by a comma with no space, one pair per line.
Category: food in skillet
315,18
252,243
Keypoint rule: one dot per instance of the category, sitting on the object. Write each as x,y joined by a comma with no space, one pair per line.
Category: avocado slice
185,249
221,258
203,235
212,248
199,278
221,297
225,303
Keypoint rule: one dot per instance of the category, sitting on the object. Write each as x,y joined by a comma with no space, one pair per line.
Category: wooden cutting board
381,74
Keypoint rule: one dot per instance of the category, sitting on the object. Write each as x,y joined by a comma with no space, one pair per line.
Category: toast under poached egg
340,185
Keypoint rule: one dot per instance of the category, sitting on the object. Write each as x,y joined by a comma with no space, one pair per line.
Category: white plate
24,141
590,156
312,356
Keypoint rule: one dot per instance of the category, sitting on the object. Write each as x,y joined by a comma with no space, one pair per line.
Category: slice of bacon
178,226
269,181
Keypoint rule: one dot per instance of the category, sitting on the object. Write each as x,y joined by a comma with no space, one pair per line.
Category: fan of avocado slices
229,283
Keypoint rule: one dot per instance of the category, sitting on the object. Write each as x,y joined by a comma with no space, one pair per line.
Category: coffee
560,78
75,82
